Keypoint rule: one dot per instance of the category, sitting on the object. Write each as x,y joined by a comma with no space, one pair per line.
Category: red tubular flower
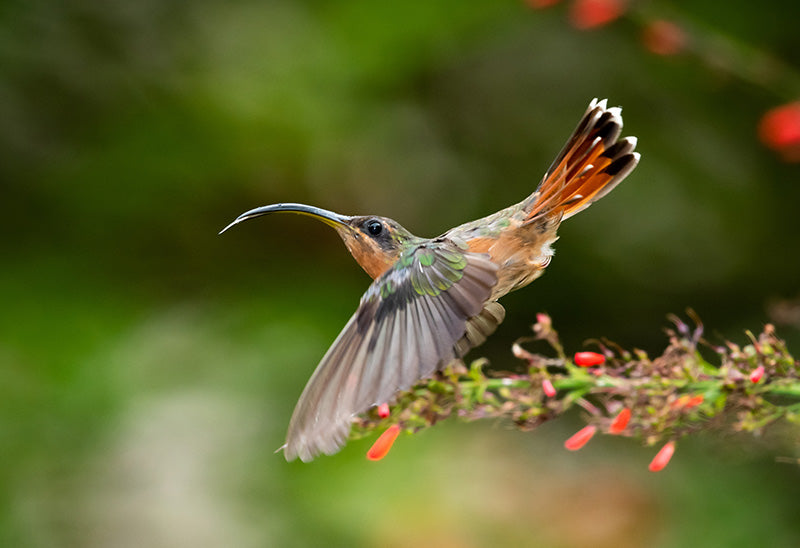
580,438
383,410
384,443
680,403
549,389
664,38
694,401
589,14
687,402
661,459
756,374
779,129
588,359
620,421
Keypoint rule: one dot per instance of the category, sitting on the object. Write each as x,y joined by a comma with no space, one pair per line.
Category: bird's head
374,242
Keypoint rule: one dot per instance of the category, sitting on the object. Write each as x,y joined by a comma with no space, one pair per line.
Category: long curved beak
328,217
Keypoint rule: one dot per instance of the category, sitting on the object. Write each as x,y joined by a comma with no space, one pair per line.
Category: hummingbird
433,299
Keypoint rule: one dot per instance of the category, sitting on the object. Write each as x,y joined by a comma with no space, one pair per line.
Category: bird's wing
428,309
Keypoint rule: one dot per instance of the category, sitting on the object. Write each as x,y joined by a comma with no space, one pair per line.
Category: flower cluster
692,386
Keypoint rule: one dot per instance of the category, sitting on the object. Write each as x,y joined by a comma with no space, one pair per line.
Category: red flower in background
383,410
589,14
549,389
664,38
779,129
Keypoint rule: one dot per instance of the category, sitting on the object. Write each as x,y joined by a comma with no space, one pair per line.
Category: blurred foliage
149,367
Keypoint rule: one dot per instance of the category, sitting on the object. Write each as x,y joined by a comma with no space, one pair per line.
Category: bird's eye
374,227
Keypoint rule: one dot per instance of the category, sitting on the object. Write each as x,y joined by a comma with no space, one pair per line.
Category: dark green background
148,367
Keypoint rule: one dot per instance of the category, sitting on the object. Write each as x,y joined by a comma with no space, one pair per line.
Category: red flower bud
664,38
383,410
756,374
661,459
580,438
384,443
549,389
544,321
588,14
588,359
620,421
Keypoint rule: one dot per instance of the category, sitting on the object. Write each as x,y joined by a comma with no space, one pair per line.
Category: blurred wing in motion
428,309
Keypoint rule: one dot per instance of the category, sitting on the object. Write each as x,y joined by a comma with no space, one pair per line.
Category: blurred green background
148,367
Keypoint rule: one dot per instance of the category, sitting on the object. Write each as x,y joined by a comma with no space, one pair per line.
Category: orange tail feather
590,165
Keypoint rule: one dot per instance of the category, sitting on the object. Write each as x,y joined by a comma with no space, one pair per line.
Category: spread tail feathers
590,165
